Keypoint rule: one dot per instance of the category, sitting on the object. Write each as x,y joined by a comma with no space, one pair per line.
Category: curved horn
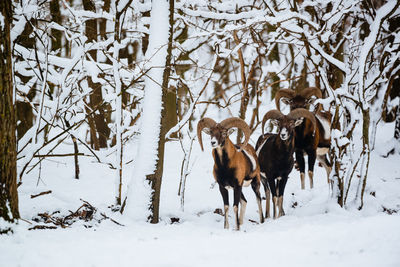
303,113
272,114
240,124
312,91
287,93
203,123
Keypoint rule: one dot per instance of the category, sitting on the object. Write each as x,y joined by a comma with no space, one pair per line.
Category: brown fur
232,166
239,161
307,139
300,100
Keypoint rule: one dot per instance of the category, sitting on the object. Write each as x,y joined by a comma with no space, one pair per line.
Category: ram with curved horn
315,144
302,99
234,166
275,154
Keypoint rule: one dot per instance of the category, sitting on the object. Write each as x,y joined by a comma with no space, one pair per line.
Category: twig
76,153
25,220
40,160
114,221
42,227
60,155
41,194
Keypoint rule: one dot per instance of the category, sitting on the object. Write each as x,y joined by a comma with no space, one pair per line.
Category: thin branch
41,194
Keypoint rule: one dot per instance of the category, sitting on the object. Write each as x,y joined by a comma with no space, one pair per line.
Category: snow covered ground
315,231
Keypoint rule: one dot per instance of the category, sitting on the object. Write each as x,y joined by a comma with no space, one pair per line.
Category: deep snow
315,231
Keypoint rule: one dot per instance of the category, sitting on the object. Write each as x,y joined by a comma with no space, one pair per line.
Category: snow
307,244
368,45
314,44
315,231
227,16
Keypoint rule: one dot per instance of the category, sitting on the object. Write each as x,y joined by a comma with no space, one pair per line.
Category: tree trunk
99,131
170,106
244,101
337,178
103,22
156,178
8,167
366,155
143,192
397,124
302,82
56,34
119,108
274,56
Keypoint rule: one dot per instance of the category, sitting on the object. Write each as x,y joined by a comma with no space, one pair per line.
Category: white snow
315,231
368,45
309,241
